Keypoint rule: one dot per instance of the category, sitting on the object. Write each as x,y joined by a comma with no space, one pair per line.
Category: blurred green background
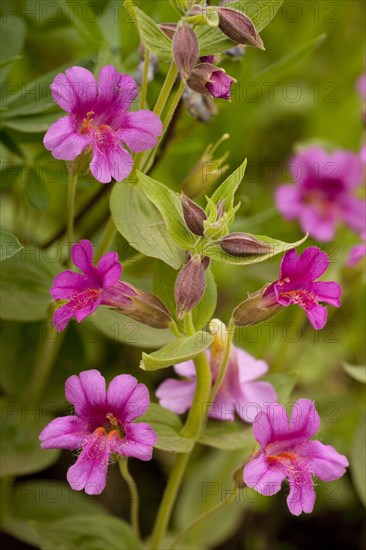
301,90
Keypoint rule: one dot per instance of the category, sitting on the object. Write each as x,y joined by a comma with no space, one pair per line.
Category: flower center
83,298
303,298
113,427
87,123
281,457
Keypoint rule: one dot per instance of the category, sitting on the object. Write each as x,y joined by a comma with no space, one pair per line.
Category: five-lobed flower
104,424
99,121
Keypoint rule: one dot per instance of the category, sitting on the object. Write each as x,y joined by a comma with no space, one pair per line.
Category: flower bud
189,286
242,244
254,310
194,215
201,107
185,50
141,306
208,79
239,28
169,29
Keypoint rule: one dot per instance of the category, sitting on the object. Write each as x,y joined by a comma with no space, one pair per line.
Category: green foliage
141,223
85,532
358,460
9,245
228,436
181,350
167,425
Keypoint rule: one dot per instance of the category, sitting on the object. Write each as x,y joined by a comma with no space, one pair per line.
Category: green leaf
278,69
358,460
168,426
228,436
207,485
122,329
20,449
12,34
261,13
278,247
43,501
85,532
30,124
169,206
177,352
25,282
228,188
356,372
283,383
9,245
151,35
141,223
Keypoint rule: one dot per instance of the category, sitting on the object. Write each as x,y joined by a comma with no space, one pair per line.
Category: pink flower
98,119
239,392
297,285
287,452
361,86
104,424
357,252
85,291
220,85
322,194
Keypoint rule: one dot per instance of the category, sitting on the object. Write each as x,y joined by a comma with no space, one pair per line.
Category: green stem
73,178
108,237
144,80
166,89
202,517
172,108
225,362
134,498
45,358
191,430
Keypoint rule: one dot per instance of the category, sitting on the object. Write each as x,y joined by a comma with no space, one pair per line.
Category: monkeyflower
239,393
322,194
104,424
98,121
298,285
100,285
287,452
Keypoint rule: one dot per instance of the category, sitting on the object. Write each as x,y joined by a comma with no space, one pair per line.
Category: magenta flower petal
109,269
348,167
90,470
329,292
310,265
67,432
176,395
62,317
186,369
138,443
220,85
288,201
115,90
271,425
264,478
66,284
317,316
64,141
73,89
82,254
127,398
223,406
354,213
110,162
326,463
356,254
302,496
140,130
322,226
249,368
253,398
86,391
304,421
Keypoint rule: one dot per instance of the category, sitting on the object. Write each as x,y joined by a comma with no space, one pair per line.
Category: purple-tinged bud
194,215
140,305
209,79
201,107
169,29
254,310
242,244
239,28
189,286
185,50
